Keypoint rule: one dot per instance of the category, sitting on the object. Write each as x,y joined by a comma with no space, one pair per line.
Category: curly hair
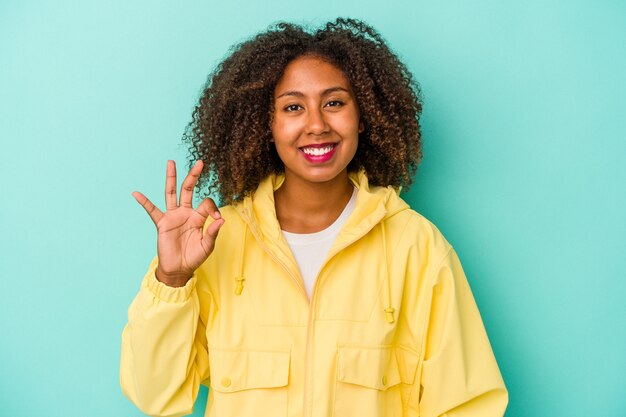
231,125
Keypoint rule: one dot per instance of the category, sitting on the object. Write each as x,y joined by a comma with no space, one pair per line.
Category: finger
210,234
186,190
170,186
208,208
152,210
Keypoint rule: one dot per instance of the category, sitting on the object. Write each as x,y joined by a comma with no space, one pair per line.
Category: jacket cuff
169,294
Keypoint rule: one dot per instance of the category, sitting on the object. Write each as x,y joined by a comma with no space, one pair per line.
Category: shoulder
232,217
221,263
230,212
233,223
411,229
420,246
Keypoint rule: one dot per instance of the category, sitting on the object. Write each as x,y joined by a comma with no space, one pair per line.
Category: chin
324,177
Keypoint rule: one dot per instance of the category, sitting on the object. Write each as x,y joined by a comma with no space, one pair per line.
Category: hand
181,245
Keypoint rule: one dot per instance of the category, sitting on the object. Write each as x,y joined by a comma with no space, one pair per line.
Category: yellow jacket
391,330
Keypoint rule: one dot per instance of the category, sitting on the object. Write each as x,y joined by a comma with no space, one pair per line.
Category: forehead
311,74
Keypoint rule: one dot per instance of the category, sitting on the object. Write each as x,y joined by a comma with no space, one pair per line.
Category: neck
306,207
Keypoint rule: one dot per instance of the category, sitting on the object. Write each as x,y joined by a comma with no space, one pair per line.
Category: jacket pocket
244,382
373,381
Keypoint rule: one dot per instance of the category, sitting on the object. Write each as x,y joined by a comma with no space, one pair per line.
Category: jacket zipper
308,361
308,358
308,376
310,331
273,257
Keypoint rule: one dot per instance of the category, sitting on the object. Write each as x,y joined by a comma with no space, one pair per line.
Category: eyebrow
299,94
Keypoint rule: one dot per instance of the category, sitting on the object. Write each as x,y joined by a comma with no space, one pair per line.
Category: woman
316,290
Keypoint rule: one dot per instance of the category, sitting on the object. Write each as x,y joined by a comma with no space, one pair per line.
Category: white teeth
318,151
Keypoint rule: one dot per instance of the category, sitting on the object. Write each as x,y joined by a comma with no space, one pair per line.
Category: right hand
181,245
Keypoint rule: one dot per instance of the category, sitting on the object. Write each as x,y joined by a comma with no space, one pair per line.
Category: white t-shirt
310,249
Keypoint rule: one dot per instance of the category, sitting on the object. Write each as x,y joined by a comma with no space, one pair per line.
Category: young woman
324,294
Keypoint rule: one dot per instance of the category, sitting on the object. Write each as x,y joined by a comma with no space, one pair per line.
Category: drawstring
240,279
389,310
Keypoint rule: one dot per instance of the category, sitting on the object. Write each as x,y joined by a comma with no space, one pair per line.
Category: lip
319,159
319,145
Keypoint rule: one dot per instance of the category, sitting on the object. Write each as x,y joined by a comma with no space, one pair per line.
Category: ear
361,127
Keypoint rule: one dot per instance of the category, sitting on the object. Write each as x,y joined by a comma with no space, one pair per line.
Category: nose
316,123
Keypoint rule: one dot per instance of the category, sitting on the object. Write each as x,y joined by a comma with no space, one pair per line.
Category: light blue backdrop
524,173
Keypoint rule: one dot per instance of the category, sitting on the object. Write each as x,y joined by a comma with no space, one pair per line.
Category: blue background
524,122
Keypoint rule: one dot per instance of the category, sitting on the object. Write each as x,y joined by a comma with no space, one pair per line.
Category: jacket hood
372,206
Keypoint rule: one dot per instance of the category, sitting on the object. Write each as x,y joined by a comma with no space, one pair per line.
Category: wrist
172,280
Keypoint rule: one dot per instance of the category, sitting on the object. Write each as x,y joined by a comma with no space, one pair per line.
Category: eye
292,107
335,103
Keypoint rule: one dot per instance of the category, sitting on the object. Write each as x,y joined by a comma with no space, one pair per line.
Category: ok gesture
181,245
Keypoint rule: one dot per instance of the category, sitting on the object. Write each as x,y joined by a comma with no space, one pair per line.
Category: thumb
210,234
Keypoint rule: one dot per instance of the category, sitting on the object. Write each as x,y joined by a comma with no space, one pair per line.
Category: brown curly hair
231,126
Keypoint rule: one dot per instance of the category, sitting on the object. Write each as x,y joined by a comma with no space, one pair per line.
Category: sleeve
164,355
460,376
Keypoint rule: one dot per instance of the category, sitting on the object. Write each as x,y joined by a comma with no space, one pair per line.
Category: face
316,121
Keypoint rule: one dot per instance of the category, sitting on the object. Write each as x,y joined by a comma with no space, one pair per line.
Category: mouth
318,152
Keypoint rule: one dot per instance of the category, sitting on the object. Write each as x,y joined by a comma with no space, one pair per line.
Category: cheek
351,122
282,129
281,136
354,148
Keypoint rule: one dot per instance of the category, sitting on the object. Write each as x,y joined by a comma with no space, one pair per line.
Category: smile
315,151
317,154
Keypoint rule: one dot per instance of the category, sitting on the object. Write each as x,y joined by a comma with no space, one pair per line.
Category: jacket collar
373,204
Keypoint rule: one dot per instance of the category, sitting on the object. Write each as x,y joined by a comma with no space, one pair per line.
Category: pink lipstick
319,153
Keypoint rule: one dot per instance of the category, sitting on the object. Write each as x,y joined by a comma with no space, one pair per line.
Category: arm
460,376
164,355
